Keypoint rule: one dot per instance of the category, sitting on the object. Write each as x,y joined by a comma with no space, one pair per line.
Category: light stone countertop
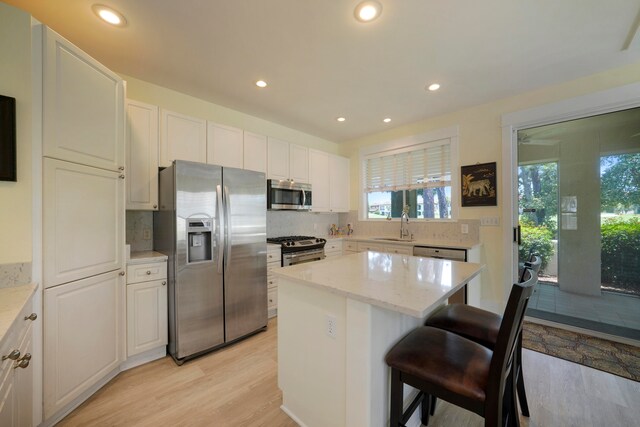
12,301
417,242
401,283
143,257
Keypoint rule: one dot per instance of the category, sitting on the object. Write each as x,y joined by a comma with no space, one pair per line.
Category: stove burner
297,243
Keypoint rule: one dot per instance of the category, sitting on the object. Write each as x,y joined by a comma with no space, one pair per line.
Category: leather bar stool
482,327
448,366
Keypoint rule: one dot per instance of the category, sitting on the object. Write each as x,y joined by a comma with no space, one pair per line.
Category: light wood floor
237,386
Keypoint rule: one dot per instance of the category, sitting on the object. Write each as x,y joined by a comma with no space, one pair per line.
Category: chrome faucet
404,223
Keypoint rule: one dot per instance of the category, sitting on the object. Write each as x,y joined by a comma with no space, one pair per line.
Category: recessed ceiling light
387,120
368,11
261,83
109,15
341,119
433,87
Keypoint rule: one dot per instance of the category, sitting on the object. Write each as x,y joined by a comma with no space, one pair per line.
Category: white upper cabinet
83,101
142,156
319,180
224,145
182,138
299,163
277,159
255,152
329,179
83,221
339,179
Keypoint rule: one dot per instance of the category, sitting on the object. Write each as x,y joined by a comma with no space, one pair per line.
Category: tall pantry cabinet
83,223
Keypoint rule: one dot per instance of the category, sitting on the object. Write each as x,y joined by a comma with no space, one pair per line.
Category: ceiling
320,63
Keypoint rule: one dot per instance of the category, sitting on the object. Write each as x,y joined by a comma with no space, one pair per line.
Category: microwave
288,195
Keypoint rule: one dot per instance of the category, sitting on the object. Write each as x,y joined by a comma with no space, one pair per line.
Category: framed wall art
479,185
7,139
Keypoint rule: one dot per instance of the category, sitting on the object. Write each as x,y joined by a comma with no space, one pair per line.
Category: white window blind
420,166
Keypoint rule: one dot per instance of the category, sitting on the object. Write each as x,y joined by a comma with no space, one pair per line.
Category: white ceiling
321,63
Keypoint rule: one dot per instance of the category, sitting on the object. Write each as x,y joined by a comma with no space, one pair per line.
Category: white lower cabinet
16,372
333,249
273,262
146,307
82,337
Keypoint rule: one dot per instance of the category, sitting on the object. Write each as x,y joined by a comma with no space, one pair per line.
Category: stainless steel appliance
299,249
288,195
212,225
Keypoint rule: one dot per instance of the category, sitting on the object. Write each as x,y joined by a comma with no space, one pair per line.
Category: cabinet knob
122,273
148,272
121,177
155,206
271,282
121,168
164,283
22,364
32,316
14,355
26,357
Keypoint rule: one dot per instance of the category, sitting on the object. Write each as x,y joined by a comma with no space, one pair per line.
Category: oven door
302,257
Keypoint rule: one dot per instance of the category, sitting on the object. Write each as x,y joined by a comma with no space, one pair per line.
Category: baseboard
66,410
292,416
142,358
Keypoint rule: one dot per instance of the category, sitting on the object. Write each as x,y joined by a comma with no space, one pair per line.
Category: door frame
601,102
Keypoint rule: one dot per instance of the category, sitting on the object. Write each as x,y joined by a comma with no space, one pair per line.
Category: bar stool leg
522,394
395,411
425,409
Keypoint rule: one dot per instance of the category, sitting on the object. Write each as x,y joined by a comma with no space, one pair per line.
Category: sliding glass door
579,209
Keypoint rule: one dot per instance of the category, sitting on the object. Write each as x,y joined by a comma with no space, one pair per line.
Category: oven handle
302,257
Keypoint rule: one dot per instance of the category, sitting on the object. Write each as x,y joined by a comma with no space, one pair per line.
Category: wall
15,81
480,140
186,104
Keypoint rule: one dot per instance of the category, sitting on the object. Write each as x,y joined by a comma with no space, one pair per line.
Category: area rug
616,358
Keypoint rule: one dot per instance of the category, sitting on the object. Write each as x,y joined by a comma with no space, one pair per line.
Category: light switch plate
493,221
464,228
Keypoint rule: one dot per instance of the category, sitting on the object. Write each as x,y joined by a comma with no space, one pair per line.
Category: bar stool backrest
510,329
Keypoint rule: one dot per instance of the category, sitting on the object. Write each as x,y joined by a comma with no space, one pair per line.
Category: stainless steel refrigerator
212,225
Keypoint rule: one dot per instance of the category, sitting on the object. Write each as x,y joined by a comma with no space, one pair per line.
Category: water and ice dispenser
199,240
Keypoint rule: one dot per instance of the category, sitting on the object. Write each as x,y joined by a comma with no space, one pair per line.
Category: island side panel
311,365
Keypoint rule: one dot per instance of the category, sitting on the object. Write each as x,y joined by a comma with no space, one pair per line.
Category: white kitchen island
336,321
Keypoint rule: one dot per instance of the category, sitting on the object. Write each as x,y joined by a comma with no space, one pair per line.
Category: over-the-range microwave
288,195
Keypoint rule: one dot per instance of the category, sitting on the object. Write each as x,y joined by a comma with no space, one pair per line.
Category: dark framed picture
7,139
479,185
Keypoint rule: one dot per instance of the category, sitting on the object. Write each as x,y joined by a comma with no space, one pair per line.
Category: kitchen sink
393,239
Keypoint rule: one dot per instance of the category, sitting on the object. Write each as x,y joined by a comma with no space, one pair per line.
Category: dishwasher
448,254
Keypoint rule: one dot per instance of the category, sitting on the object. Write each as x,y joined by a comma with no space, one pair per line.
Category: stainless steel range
299,249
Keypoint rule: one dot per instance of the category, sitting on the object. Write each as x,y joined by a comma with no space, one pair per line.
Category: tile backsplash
291,223
139,223
15,274
436,230
279,223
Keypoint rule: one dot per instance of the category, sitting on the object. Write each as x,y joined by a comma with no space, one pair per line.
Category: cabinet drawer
273,256
362,247
333,247
272,281
272,299
350,246
146,272
402,250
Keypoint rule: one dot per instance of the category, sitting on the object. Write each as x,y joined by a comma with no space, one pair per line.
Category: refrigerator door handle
221,226
227,223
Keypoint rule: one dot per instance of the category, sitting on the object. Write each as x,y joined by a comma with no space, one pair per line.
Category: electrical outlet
464,228
315,227
146,234
332,325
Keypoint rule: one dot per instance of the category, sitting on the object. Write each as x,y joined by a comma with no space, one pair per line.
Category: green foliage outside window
536,239
621,253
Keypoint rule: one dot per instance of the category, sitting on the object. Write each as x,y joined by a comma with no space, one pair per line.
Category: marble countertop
401,283
144,257
12,301
416,242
